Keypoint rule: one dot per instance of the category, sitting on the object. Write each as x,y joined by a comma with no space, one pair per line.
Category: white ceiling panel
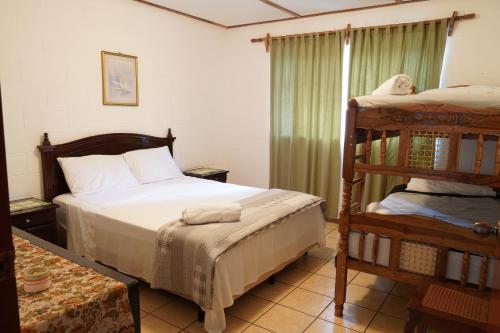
306,7
227,12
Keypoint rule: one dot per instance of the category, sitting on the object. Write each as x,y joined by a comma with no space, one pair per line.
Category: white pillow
96,173
439,186
152,165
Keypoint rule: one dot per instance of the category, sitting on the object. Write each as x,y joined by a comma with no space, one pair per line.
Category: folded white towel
397,85
212,213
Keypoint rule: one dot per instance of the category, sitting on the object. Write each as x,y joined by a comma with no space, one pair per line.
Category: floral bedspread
79,300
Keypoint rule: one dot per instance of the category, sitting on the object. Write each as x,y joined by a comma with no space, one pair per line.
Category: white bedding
119,229
473,97
458,211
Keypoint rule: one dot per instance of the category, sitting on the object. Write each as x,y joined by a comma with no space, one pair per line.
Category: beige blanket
185,255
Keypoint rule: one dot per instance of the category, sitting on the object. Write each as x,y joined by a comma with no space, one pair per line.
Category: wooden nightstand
36,217
208,173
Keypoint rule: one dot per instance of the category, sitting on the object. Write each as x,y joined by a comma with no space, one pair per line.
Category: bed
119,228
407,236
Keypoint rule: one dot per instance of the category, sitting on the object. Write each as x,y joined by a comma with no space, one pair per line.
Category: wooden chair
452,308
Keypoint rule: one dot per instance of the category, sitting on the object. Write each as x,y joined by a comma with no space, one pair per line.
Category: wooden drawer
220,177
33,219
45,231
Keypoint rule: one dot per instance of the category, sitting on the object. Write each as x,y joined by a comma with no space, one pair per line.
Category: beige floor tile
395,306
323,252
308,263
332,240
354,317
403,290
366,297
178,313
306,301
233,325
385,324
249,307
151,324
281,319
329,226
151,299
320,284
323,326
329,270
256,329
373,282
272,292
292,276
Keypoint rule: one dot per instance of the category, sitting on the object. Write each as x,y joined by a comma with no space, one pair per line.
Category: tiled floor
301,300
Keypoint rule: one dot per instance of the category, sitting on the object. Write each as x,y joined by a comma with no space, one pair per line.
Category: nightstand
36,217
208,173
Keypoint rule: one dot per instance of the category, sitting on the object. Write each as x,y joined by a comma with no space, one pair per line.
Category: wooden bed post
347,175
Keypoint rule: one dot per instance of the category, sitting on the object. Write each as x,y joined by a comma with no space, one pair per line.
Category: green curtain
380,53
306,89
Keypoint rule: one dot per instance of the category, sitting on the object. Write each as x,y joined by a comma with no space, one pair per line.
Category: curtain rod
451,24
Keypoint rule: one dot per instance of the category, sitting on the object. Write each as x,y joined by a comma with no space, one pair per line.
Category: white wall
472,58
50,73
209,84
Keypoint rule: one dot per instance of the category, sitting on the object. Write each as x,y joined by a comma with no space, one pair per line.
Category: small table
84,288
208,173
36,217
448,308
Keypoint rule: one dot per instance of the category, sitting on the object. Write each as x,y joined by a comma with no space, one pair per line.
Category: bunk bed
412,247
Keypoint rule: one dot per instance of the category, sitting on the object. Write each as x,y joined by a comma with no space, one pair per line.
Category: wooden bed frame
366,125
54,182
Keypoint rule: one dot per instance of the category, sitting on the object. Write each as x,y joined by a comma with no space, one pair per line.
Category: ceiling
237,13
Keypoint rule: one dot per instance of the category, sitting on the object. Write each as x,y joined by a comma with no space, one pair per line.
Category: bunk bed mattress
471,97
420,258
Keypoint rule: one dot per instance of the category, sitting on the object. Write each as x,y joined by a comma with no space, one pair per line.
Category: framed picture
119,79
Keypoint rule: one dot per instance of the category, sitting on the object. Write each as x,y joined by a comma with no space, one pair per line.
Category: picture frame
120,84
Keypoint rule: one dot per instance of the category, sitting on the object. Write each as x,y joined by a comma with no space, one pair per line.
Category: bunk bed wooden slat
404,137
375,249
368,145
383,147
442,263
483,273
465,269
454,151
497,159
395,253
479,154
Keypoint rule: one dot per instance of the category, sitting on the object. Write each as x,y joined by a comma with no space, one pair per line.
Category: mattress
119,230
459,211
471,97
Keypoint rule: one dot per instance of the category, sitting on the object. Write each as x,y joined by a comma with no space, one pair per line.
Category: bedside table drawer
220,177
32,219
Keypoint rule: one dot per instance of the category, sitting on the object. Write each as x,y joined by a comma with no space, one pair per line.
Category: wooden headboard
54,182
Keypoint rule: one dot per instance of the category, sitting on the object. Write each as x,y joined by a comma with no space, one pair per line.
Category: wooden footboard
419,247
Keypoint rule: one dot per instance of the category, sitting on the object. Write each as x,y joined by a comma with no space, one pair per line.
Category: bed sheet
119,230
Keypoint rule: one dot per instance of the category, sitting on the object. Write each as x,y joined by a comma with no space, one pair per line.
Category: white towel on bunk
397,85
212,213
